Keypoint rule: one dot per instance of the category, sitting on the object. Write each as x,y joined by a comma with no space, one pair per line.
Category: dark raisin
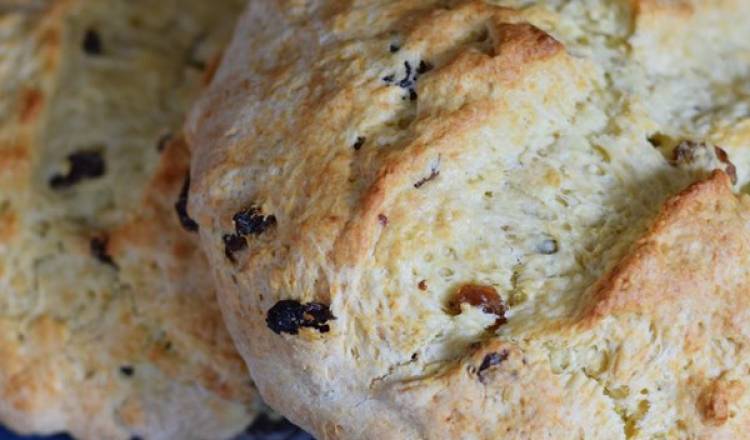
394,48
316,316
491,360
389,78
135,437
359,142
287,316
98,247
723,157
423,67
233,243
252,221
383,219
127,370
161,145
412,95
484,297
92,43
422,285
181,207
83,165
433,174
407,82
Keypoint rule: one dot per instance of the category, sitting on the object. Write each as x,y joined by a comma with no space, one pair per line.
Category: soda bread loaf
485,219
109,327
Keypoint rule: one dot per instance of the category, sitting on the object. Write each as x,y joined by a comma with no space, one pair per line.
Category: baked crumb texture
525,218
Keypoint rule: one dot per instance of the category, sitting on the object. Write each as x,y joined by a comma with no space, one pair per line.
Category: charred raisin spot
359,143
83,165
98,247
724,158
433,174
491,360
394,48
127,370
422,285
92,43
484,297
382,219
252,221
288,316
181,207
233,243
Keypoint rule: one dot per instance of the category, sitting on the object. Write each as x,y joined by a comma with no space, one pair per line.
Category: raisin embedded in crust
181,207
252,221
288,315
98,247
83,165
233,243
484,297
423,67
490,360
92,43
723,157
409,81
433,174
316,315
358,143
127,370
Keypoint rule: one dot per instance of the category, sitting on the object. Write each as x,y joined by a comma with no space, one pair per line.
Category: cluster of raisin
250,221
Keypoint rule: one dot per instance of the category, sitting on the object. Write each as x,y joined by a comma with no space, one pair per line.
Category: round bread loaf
109,326
483,220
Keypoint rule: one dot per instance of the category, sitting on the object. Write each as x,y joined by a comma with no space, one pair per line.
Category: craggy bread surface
469,219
